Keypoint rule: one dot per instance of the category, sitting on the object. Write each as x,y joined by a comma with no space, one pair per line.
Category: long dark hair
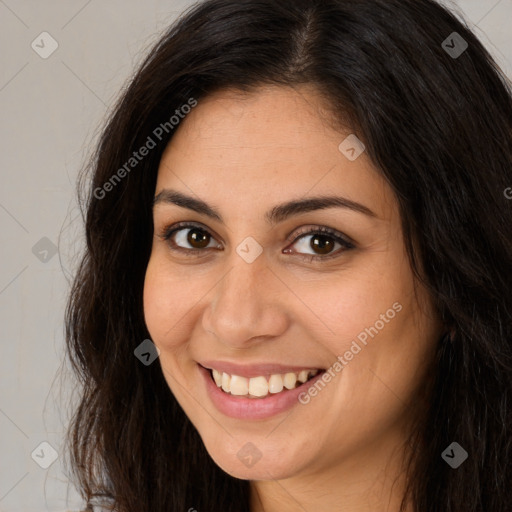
437,124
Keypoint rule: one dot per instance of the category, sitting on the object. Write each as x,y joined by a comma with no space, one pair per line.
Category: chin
255,460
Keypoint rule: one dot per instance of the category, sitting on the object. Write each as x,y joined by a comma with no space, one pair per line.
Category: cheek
162,310
358,306
173,299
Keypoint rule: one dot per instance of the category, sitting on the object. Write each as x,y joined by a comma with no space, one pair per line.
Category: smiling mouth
261,387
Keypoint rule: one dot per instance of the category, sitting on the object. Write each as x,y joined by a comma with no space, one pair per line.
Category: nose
247,305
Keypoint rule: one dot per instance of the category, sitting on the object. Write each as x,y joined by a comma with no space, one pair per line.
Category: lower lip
253,408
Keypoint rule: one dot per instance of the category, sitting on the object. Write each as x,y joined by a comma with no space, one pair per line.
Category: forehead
270,116
263,146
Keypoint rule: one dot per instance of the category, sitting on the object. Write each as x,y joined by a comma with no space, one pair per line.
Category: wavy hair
439,129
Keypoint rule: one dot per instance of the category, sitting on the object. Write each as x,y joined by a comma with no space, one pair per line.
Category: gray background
51,110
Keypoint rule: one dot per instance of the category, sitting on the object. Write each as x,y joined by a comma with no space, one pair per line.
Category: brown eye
188,237
198,238
322,244
314,244
319,244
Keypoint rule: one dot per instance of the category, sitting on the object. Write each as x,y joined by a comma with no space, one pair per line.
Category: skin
243,154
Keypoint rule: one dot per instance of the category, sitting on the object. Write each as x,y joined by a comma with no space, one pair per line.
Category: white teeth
217,377
275,383
303,376
289,381
239,385
259,386
226,382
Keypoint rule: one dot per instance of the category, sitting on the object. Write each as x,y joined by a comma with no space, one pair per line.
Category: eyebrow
278,213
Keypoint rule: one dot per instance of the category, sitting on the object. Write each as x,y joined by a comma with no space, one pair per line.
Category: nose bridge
240,307
238,292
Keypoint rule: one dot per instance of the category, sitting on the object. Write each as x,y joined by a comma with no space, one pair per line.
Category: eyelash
168,231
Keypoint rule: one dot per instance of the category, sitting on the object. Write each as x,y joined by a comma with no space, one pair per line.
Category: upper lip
254,369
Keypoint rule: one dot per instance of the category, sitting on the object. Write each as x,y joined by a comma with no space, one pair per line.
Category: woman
296,288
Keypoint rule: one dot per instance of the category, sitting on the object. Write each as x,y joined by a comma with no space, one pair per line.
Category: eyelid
168,231
311,229
342,239
346,242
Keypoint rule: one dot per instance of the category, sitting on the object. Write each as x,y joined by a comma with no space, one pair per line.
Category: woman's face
253,290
